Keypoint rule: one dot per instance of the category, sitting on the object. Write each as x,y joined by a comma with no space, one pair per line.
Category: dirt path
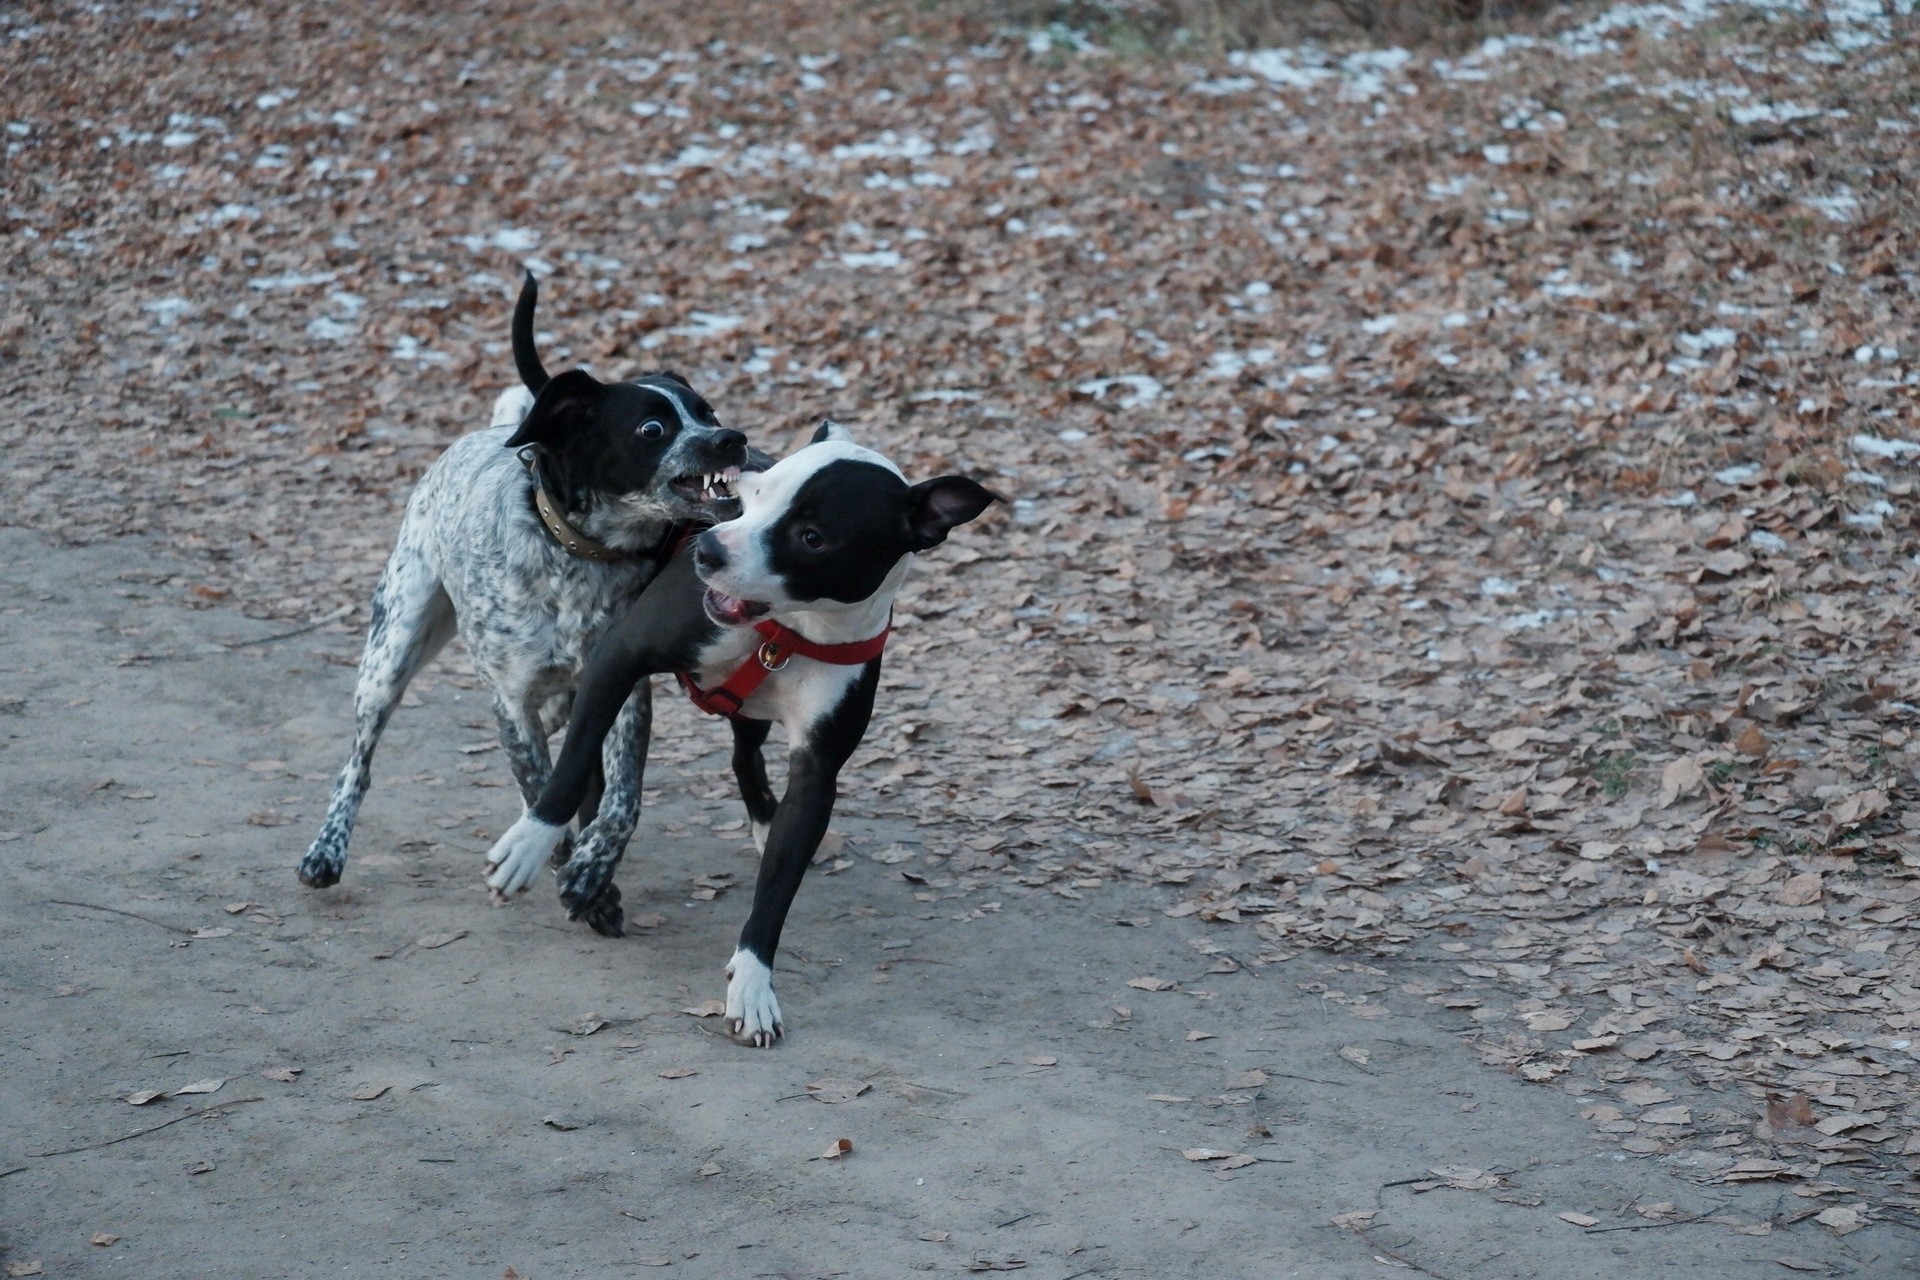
1008,1115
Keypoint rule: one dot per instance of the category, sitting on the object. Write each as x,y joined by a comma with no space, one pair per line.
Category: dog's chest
799,694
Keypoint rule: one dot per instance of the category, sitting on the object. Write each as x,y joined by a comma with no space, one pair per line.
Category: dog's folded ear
831,430
562,407
937,507
672,377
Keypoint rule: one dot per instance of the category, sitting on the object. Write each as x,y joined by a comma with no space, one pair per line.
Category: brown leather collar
571,539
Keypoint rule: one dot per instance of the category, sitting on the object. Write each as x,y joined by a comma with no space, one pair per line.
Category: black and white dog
777,615
529,538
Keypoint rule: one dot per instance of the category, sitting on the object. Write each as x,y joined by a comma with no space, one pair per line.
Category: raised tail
525,358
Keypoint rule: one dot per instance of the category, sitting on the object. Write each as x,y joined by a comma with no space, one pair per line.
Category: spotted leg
586,882
412,619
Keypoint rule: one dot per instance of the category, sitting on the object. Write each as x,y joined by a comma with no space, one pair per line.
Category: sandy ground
1008,1121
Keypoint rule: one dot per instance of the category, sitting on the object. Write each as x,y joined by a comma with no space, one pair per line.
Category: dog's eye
811,539
652,429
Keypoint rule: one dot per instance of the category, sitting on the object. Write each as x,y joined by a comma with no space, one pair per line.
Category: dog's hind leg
412,620
586,882
750,769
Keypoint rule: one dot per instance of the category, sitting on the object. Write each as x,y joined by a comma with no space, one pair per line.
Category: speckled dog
529,538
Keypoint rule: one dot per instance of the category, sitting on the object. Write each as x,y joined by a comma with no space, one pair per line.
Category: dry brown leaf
706,1009
105,1239
432,941
1207,1153
677,1073
1680,779
1800,890
841,1147
141,1097
210,1085
1151,984
832,1090
1840,1219
368,1092
1797,1109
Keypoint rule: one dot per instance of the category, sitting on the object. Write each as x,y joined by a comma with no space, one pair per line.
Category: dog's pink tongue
728,609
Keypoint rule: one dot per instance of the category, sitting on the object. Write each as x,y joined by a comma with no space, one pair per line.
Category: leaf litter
1498,562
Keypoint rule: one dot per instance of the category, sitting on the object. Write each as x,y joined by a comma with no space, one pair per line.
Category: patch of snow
1230,364
1875,447
1136,389
168,310
888,146
292,280
1706,340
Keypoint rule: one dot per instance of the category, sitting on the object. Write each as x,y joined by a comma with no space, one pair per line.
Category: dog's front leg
526,746
618,664
750,770
586,882
800,822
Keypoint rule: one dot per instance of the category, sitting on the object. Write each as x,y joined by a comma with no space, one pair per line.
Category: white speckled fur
473,557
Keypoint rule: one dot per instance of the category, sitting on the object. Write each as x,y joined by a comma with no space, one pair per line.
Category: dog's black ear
525,358
671,376
831,430
564,404
936,507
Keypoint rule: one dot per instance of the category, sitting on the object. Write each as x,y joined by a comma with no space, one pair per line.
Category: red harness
781,646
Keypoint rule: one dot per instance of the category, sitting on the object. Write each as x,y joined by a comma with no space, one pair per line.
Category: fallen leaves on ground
841,1147
1418,535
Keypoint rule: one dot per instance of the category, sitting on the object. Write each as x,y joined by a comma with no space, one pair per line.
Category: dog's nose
730,444
709,556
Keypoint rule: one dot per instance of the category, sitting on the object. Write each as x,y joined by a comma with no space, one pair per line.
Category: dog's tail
525,358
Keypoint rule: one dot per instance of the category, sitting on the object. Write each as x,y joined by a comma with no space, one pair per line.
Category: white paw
517,858
760,830
752,1012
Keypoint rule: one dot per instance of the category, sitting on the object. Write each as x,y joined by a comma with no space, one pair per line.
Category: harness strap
780,646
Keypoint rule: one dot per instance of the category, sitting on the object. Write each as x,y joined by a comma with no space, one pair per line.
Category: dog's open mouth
712,486
731,611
